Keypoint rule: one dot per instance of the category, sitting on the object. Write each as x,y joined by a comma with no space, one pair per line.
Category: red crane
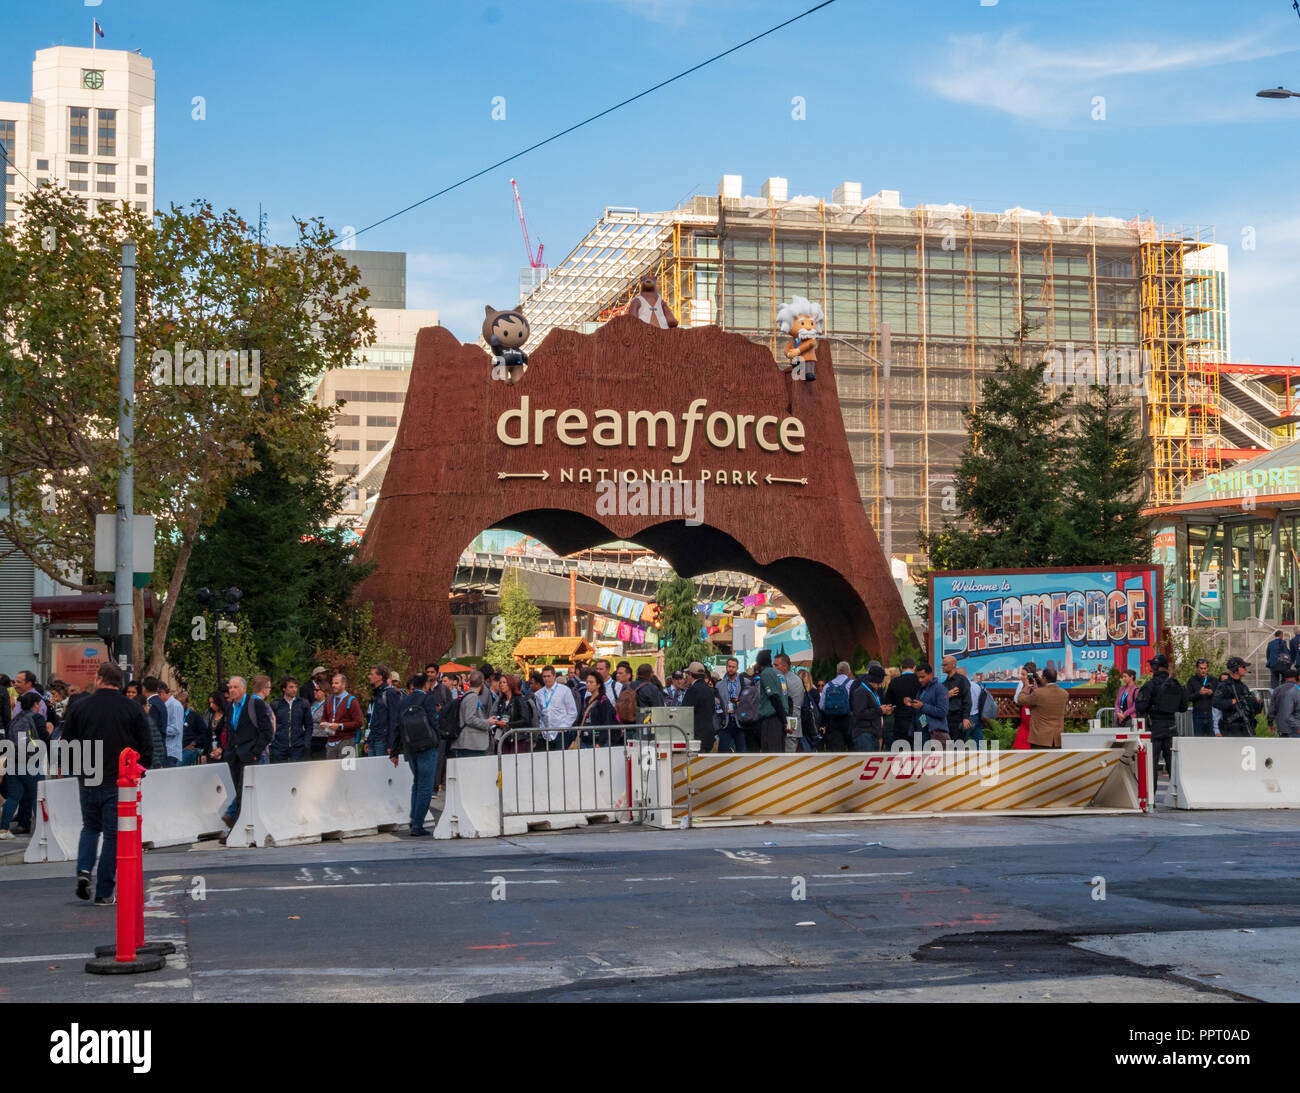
535,263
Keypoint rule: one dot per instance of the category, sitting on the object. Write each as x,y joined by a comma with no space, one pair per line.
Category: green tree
681,629
204,280
520,618
905,643
360,647
198,667
1102,479
297,576
1008,480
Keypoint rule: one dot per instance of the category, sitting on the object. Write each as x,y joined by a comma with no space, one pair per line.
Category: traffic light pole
124,576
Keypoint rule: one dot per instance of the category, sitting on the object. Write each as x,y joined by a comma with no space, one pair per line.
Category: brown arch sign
692,443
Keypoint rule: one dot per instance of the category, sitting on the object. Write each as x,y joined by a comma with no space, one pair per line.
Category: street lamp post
886,352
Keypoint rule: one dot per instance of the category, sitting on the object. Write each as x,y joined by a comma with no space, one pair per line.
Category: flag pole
92,32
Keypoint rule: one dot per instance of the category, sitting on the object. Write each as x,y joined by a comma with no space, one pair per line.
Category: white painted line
637,880
55,958
367,884
834,875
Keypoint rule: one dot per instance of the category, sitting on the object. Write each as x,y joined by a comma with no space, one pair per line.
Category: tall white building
89,126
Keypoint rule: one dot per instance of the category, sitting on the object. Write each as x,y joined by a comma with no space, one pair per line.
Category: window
142,187
105,187
107,143
348,419
9,136
42,164
345,470
78,168
10,179
139,207
79,130
79,184
381,422
341,445
376,445
105,168
141,169
372,396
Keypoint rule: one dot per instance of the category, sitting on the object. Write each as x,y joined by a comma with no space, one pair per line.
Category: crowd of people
434,716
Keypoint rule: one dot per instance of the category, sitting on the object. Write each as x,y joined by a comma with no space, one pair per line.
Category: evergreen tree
1008,480
271,542
520,618
681,628
1102,495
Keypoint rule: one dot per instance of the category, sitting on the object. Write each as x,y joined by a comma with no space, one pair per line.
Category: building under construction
954,287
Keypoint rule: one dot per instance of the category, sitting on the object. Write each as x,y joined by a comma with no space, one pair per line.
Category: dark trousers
1162,745
771,733
837,732
440,774
236,776
99,817
1044,747
732,738
1202,723
753,738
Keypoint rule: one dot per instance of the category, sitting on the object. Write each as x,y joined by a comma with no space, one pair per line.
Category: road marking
534,869
511,945
823,875
638,880
364,884
55,958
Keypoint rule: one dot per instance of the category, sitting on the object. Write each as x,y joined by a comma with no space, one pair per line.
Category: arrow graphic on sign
790,481
543,475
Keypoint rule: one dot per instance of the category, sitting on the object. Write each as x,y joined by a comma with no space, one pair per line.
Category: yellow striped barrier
773,786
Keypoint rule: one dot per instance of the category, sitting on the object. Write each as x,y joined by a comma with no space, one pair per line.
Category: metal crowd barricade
571,779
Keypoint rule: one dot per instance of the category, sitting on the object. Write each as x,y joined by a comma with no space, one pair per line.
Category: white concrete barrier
552,790
181,805
285,804
57,821
1235,772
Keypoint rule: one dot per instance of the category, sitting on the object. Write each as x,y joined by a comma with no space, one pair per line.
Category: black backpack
449,720
417,733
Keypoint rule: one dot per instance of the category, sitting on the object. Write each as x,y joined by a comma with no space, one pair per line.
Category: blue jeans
22,787
422,767
805,744
731,739
976,730
865,741
99,817
1203,723
190,756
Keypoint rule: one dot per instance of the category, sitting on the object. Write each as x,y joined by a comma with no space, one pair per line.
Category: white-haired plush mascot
803,320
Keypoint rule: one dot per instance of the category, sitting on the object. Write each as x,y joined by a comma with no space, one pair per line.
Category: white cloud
1055,86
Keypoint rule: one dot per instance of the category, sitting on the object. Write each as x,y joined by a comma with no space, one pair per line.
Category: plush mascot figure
505,332
802,320
648,306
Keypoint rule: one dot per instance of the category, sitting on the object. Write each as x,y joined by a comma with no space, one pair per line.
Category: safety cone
131,954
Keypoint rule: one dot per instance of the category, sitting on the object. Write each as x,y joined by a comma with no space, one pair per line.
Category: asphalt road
1197,907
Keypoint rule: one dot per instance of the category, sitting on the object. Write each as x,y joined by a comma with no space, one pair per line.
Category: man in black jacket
157,707
702,698
958,698
902,687
1161,698
865,706
384,703
293,723
251,731
1233,699
1200,695
109,720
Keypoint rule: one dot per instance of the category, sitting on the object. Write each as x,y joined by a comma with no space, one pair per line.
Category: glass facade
79,130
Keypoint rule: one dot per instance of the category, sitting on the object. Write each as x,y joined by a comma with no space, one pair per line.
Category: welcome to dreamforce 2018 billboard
1080,621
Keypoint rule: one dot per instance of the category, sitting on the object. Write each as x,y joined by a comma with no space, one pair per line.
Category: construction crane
534,262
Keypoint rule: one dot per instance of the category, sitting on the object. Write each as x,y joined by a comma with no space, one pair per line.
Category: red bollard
130,954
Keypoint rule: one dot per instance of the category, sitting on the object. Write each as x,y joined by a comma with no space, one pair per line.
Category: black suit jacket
253,732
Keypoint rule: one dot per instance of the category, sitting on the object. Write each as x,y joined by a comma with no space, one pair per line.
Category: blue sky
351,111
